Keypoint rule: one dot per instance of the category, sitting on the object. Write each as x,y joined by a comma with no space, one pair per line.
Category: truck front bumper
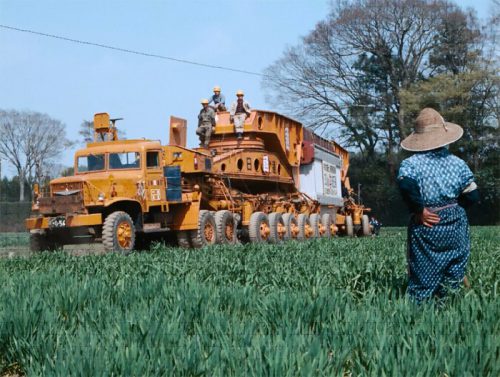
58,222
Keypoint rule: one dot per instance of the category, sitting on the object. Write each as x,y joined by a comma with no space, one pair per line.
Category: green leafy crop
321,308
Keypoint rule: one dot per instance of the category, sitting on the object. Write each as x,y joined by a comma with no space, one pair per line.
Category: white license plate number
57,222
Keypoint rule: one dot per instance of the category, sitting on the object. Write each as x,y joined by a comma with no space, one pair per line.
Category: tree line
364,72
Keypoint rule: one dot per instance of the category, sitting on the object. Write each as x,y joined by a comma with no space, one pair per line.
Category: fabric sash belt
437,209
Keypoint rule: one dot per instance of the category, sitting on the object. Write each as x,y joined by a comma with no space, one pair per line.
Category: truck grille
65,201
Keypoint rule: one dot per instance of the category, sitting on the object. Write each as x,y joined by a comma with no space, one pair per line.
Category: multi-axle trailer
279,182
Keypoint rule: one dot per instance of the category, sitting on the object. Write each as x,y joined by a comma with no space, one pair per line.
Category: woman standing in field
436,185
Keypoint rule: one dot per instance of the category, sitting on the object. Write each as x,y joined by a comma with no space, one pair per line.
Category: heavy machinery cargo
279,182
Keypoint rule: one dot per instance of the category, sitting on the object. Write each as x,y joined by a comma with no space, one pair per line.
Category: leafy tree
68,171
465,88
378,191
363,74
346,77
463,98
9,190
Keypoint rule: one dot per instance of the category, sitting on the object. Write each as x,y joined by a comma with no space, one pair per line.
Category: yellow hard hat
216,88
240,93
204,101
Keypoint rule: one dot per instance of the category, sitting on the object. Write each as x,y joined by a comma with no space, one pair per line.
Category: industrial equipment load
279,182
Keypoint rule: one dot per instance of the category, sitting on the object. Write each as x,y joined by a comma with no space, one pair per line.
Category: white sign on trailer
265,164
287,139
329,179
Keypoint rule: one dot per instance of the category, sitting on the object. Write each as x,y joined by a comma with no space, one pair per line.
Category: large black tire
365,223
205,235
258,229
143,241
225,227
183,239
303,222
290,222
118,233
37,242
314,220
326,221
349,227
41,241
275,223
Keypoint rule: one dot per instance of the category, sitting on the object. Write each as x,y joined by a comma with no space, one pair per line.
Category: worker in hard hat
217,100
240,110
206,122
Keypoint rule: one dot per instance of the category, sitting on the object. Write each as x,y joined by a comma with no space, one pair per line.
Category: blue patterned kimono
437,256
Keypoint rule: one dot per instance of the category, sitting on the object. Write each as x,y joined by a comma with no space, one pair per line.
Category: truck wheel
118,233
41,241
38,242
259,230
314,221
226,227
326,222
292,229
206,233
349,227
277,227
365,222
143,241
305,231
183,239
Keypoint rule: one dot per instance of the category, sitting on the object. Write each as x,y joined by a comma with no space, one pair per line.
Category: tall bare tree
350,70
86,132
30,141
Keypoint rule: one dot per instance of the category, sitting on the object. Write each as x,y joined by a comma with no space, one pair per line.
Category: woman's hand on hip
428,218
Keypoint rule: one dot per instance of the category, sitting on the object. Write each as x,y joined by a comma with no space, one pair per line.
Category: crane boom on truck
279,182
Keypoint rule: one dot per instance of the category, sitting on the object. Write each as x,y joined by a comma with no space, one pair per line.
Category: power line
135,52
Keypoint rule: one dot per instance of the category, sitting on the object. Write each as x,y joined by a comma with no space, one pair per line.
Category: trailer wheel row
363,230
119,234
221,228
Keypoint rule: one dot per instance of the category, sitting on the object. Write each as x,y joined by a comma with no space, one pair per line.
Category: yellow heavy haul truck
279,182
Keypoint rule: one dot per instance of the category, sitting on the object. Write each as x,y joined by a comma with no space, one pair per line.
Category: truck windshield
91,162
126,160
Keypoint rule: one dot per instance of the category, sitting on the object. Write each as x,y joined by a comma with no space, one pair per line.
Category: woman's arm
469,196
411,195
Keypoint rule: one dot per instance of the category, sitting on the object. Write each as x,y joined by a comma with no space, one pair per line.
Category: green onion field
319,308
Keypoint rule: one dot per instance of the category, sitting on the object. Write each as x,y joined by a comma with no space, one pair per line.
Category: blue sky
71,82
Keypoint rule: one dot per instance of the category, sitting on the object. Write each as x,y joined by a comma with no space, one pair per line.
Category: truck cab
120,189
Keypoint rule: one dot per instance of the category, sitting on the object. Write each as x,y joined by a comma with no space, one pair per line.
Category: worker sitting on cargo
217,101
206,121
240,110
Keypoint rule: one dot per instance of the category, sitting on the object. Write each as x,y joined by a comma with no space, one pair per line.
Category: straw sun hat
431,132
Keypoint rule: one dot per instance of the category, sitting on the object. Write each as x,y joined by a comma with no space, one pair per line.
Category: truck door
155,182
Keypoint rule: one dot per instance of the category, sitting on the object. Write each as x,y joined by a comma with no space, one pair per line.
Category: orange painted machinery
279,182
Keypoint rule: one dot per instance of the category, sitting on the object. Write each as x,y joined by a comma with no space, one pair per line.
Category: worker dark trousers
204,132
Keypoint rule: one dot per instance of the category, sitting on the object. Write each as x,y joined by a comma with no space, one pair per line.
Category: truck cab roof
119,146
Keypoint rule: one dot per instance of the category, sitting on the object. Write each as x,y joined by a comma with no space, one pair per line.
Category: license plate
57,222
